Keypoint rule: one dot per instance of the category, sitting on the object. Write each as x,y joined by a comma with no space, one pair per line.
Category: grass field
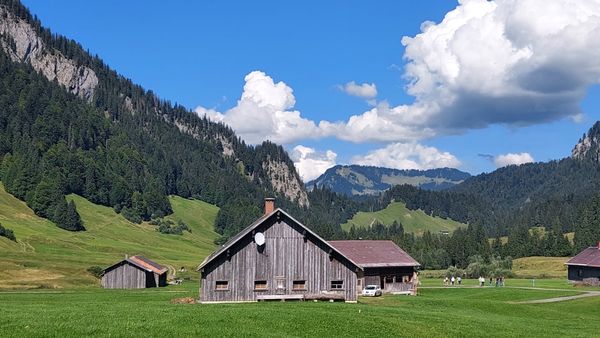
540,267
414,221
46,256
436,312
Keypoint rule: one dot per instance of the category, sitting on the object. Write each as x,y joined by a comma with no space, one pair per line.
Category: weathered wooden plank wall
125,276
288,256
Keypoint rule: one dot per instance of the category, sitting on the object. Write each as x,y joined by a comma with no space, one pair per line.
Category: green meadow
46,256
414,221
435,312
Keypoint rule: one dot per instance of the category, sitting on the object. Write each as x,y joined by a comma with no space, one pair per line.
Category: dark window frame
297,283
261,282
219,285
336,285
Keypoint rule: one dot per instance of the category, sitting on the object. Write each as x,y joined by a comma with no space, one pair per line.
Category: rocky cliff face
284,181
588,146
20,41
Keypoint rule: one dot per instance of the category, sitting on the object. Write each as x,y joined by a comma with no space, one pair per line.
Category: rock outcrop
21,42
284,181
588,146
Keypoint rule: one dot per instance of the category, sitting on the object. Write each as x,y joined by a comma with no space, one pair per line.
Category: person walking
459,280
481,281
446,281
452,279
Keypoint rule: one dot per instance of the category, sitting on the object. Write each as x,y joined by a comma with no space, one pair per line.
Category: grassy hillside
415,221
47,256
540,267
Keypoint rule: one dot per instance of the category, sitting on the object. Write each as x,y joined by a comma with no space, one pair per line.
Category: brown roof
248,230
370,254
142,263
588,257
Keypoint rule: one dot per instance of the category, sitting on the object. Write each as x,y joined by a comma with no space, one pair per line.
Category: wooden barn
383,263
277,257
135,272
585,265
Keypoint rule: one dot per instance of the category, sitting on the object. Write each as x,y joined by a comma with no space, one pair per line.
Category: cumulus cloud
365,90
512,159
515,62
510,62
265,112
408,156
311,163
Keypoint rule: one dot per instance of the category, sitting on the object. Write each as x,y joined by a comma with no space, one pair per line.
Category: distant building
135,272
277,257
585,265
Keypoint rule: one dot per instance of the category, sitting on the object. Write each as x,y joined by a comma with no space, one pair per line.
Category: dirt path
560,299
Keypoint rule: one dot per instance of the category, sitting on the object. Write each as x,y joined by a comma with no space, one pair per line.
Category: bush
168,227
8,233
131,215
454,271
95,271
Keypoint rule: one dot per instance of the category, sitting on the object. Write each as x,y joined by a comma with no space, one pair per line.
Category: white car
371,291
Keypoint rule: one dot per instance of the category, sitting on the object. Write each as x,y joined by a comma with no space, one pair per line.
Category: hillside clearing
414,221
46,256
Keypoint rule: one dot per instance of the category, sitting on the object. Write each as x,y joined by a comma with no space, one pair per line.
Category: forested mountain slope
70,124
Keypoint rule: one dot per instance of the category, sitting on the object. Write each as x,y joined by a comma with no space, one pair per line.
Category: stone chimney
269,205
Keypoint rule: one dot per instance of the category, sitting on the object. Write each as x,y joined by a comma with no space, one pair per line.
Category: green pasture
46,256
414,221
436,312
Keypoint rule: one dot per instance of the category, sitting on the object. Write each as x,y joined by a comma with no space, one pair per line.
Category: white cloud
514,62
408,156
264,112
511,62
512,159
365,90
311,163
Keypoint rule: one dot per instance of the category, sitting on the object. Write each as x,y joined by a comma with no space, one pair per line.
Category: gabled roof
260,221
588,257
142,263
371,254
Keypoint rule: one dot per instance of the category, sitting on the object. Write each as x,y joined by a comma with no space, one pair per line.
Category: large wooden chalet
585,265
277,257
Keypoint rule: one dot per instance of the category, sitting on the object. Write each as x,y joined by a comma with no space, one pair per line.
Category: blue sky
199,53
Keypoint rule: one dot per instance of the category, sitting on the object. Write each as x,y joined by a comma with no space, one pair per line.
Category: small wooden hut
585,265
135,272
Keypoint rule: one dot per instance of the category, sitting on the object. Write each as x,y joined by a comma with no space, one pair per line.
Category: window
280,282
337,284
389,279
299,285
221,285
260,285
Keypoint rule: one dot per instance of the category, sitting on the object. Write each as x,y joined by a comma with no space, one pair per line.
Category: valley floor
436,312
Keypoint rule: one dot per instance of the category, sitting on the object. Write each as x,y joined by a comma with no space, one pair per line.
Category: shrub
95,271
8,233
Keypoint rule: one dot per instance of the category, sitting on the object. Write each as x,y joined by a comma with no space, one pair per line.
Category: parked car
371,291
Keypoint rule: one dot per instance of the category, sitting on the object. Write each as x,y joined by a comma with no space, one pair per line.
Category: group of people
452,281
458,281
499,281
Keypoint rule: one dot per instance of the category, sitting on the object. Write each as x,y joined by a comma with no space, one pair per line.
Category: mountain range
69,124
353,180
